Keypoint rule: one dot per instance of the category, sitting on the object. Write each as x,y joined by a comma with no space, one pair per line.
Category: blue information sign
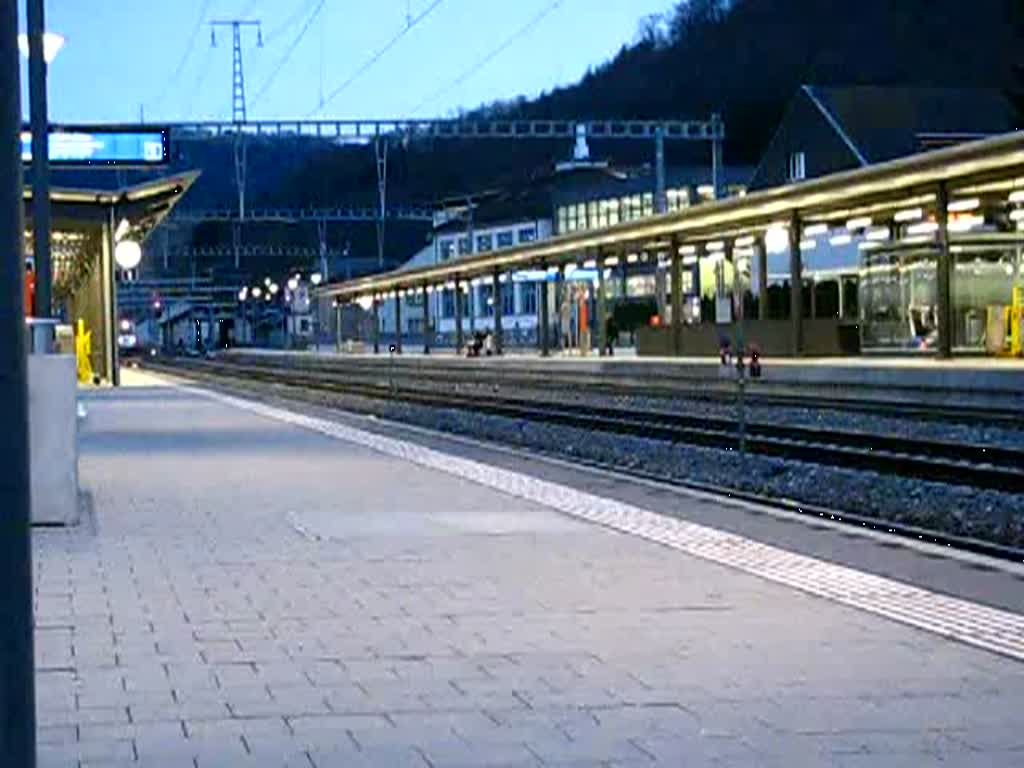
96,146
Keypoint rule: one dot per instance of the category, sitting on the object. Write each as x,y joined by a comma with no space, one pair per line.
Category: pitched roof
883,123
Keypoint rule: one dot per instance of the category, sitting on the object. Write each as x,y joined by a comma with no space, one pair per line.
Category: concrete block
53,429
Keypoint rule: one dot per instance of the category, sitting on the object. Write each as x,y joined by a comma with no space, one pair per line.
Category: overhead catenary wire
363,68
204,72
302,9
288,53
193,36
483,62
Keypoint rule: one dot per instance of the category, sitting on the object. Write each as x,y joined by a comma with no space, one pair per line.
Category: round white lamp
128,254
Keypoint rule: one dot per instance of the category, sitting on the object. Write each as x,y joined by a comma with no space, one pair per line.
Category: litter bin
53,426
40,333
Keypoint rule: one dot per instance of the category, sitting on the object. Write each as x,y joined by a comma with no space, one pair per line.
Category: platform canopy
143,205
879,190
87,224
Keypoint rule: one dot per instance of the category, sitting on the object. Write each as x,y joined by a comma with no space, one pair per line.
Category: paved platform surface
250,592
961,376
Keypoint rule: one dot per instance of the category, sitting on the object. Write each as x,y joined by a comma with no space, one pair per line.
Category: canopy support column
796,286
677,298
460,340
943,267
498,309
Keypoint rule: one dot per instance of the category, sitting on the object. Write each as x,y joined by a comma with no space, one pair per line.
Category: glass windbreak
984,275
898,300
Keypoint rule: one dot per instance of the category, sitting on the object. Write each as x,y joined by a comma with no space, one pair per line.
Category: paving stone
279,592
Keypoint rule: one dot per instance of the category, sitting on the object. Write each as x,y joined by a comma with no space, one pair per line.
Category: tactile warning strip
978,625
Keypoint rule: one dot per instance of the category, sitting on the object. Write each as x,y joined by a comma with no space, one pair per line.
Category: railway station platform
264,585
958,378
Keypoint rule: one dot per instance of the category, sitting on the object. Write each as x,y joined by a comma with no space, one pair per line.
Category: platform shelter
940,233
88,225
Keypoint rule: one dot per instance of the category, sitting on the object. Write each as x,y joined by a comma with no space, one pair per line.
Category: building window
484,243
486,301
529,234
797,166
448,304
528,298
508,299
447,249
463,246
648,204
506,239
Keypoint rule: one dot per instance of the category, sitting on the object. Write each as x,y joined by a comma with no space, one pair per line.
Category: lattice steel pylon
238,111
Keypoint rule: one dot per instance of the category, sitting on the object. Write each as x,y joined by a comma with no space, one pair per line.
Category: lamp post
42,48
17,664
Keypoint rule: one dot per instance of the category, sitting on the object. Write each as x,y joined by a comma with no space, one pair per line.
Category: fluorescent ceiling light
959,206
843,239
924,228
861,222
815,229
910,214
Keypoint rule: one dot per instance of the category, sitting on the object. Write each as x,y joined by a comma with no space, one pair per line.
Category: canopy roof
878,190
144,205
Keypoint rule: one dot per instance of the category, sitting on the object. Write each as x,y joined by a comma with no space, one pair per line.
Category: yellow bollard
1017,322
83,353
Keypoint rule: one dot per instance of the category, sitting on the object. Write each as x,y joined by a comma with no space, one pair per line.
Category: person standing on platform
611,335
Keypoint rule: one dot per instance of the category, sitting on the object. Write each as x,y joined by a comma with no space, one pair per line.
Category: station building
573,196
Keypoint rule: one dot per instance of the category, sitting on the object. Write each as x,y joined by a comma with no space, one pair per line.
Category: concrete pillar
498,308
398,322
545,315
796,283
376,326
677,298
427,333
762,270
460,340
943,274
814,297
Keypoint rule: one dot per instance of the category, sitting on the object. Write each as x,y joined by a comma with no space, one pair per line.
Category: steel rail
978,466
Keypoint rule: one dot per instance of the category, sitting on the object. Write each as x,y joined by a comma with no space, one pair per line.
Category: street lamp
52,43
128,254
316,279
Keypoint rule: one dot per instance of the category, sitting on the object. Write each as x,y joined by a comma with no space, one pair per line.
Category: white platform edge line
885,598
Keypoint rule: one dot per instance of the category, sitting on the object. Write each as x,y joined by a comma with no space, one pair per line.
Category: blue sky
121,54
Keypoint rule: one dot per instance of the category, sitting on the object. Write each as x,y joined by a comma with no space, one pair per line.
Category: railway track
906,404
972,465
